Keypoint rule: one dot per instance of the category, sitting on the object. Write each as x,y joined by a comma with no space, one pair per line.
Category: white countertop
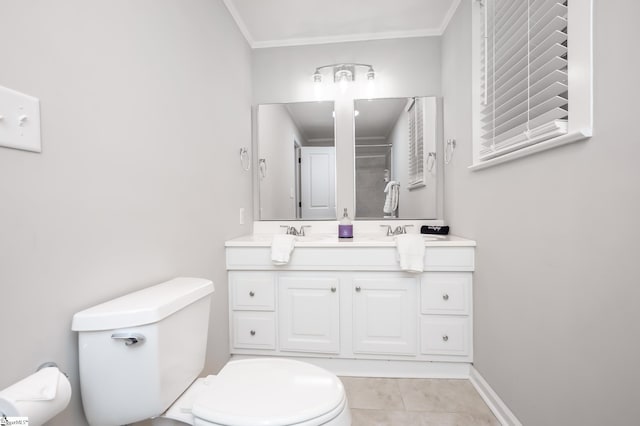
359,240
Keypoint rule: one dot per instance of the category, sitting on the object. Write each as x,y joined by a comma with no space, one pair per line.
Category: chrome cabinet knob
445,338
333,289
358,289
252,332
445,297
251,293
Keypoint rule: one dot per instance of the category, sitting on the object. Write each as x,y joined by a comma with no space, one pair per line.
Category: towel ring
448,150
245,161
431,161
262,165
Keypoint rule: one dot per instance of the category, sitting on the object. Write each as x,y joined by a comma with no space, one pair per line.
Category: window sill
533,149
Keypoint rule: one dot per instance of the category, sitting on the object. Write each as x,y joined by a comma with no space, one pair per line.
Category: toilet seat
269,392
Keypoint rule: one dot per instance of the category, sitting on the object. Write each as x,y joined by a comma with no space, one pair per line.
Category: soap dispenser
345,228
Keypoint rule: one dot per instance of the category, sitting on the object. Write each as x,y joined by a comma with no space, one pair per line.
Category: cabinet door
309,314
385,315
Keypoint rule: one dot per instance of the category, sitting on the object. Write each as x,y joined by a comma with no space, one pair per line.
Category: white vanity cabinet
352,304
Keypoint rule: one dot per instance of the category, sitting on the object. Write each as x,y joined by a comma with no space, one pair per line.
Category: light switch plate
19,120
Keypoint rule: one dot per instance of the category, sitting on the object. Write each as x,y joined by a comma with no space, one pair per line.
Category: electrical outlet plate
19,121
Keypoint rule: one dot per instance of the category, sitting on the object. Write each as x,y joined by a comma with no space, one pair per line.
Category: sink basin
383,237
310,238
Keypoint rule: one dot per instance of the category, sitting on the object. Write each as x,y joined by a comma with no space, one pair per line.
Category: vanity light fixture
343,73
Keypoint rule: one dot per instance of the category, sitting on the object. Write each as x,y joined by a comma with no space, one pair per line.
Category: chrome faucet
291,230
400,229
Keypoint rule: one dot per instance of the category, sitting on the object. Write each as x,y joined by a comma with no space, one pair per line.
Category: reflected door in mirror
317,181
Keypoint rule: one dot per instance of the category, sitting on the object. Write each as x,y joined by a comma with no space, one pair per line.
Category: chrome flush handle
129,338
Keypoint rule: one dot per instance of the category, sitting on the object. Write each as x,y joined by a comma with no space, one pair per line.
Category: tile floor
419,402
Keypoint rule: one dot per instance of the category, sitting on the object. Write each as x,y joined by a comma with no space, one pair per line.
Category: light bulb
371,74
344,84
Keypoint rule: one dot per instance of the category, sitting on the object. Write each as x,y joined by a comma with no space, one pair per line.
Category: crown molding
239,22
345,38
449,16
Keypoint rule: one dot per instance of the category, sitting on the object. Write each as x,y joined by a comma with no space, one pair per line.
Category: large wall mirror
396,158
396,170
296,161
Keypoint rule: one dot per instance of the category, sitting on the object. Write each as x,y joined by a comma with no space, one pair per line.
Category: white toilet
140,355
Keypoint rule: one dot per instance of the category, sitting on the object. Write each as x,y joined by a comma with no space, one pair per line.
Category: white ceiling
373,125
270,23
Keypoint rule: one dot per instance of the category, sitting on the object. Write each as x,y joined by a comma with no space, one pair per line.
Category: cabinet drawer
445,293
445,335
254,330
253,291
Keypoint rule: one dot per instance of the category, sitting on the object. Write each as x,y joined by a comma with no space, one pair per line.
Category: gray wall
144,105
557,299
276,133
404,67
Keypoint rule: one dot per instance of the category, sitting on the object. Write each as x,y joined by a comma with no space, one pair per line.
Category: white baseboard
491,398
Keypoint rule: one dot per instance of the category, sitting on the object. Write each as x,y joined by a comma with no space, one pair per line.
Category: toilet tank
139,352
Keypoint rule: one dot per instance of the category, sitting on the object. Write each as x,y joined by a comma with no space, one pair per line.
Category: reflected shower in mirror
296,161
395,158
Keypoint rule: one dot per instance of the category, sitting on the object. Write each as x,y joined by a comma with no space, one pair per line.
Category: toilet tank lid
145,306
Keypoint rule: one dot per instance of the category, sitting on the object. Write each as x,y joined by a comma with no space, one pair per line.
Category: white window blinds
524,72
416,142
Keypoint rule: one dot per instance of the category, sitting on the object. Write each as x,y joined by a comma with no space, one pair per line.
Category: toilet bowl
265,391
140,356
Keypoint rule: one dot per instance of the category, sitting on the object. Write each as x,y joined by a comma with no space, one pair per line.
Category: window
415,110
532,79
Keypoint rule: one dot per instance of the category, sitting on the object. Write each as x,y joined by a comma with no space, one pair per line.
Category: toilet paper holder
51,364
40,417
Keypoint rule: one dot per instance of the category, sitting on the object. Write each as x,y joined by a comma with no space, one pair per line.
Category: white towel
281,248
410,252
391,200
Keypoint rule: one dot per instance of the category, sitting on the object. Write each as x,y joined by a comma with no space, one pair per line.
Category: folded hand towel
391,199
281,248
410,249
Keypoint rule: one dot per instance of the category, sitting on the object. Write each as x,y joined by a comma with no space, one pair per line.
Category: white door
318,176
385,315
309,314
